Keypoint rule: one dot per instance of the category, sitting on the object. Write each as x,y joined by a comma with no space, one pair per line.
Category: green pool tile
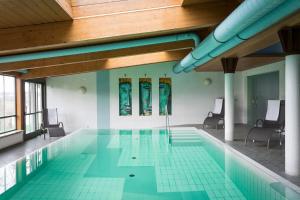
96,165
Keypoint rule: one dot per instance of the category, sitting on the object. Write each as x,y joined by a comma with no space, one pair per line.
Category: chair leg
268,143
280,139
246,139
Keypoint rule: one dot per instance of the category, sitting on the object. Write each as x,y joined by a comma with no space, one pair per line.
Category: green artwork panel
125,99
145,97
165,96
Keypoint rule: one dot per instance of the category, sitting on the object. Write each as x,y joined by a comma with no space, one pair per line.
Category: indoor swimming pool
136,165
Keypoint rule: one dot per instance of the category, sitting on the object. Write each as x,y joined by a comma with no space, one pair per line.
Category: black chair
216,116
273,123
51,123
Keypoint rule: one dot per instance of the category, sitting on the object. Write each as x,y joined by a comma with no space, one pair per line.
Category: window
33,106
7,104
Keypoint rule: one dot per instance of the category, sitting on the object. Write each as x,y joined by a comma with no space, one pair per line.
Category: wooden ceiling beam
254,44
7,67
244,63
66,6
191,2
108,64
109,28
29,12
84,9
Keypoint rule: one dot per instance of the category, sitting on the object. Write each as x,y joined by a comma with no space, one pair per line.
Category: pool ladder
168,130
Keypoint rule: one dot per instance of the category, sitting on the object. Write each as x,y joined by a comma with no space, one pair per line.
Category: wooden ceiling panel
92,2
21,13
171,46
109,28
191,2
90,8
112,63
244,63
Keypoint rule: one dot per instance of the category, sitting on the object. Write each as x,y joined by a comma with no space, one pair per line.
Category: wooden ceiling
85,22
191,2
244,63
93,8
105,64
28,12
95,29
48,62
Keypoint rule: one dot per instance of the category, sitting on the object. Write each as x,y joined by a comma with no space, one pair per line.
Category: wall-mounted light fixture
207,81
83,89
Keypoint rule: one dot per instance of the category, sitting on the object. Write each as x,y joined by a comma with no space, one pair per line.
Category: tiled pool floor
138,164
273,158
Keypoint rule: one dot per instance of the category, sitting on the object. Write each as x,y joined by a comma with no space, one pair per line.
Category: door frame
250,80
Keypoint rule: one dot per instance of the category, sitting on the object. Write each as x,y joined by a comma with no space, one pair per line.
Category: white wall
191,99
75,109
103,99
239,105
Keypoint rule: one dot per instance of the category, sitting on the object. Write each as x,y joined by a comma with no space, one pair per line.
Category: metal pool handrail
168,130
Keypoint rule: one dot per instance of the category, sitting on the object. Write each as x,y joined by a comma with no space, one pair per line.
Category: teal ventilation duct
100,48
250,18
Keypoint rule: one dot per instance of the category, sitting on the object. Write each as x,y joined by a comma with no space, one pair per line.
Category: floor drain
133,157
131,175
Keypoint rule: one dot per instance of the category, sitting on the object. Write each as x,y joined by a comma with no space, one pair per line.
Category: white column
229,106
292,115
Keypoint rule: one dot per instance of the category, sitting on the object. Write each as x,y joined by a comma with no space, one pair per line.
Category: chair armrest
60,124
259,121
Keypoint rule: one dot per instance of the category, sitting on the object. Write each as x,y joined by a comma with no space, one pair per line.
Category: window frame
10,116
43,103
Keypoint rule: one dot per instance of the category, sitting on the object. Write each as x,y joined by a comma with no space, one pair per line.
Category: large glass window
33,106
7,104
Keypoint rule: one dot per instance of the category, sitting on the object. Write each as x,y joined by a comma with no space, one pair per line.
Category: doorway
261,88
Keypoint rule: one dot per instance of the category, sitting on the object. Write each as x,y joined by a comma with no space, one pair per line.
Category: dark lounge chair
273,123
216,116
51,123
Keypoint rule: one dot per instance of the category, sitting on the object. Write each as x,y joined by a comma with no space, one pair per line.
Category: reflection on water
7,177
33,161
18,172
97,164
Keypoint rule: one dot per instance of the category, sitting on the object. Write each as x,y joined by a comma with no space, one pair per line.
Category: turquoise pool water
136,165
